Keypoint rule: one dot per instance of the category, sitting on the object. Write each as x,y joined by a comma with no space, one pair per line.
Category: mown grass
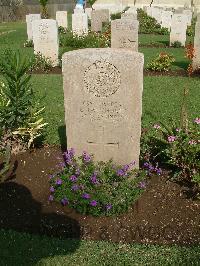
23,249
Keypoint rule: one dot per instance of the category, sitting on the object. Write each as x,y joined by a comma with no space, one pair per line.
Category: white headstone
103,103
80,24
45,39
29,19
166,19
196,59
178,29
78,10
124,34
61,18
88,11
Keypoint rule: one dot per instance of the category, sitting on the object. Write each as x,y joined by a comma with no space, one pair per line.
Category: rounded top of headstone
93,53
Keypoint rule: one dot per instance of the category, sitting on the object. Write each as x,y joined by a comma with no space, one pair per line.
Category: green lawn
23,249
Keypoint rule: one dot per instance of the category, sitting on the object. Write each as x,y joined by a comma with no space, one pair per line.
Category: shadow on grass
166,43
63,138
181,64
19,211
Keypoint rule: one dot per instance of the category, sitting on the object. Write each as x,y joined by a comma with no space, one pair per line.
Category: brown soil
162,215
171,73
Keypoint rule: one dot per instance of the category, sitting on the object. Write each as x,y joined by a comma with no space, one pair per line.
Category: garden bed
163,214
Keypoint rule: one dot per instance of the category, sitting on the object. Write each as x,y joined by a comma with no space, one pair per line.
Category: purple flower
108,206
73,178
171,138
94,179
86,196
132,163
120,172
86,157
126,167
151,168
68,155
142,185
59,181
197,120
156,126
52,189
93,203
158,171
64,201
75,187
51,198
146,165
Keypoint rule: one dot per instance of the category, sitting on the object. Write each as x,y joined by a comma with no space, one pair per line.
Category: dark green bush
177,44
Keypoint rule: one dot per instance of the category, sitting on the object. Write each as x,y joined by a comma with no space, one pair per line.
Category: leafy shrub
92,40
17,100
191,29
176,44
148,24
162,62
115,16
96,188
28,43
62,30
40,62
44,12
176,148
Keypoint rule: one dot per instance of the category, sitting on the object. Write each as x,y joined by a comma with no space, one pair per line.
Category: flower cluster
91,187
177,149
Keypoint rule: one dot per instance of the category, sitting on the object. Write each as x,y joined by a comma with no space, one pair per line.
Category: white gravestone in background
80,24
124,34
61,18
166,19
88,11
29,19
196,59
103,102
178,29
45,39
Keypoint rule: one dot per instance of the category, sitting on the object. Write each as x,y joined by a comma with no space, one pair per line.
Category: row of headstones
124,33
44,32
176,22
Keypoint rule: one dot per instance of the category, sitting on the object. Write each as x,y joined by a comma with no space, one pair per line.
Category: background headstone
78,10
88,11
124,34
166,21
129,15
61,18
80,24
103,102
45,39
178,29
98,17
29,19
196,59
